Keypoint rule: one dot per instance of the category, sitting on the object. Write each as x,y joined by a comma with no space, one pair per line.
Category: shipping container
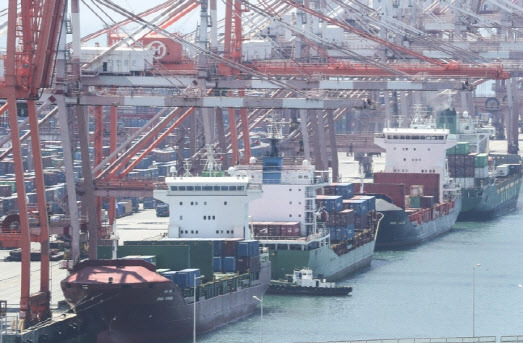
359,206
217,264
229,264
481,172
330,203
503,170
427,201
429,181
415,202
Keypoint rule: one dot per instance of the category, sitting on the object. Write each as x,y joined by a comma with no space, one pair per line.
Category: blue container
169,275
217,264
335,234
359,206
229,264
120,210
371,202
346,190
243,249
217,248
350,231
149,203
332,203
254,248
190,275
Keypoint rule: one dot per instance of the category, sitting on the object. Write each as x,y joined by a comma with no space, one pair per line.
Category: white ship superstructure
411,150
209,206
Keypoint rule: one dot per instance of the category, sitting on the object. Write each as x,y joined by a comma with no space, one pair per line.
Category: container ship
490,183
208,264
415,196
333,234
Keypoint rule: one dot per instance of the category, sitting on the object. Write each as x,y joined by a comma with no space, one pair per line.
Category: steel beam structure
214,101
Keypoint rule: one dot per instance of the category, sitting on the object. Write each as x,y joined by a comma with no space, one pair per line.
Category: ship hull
492,202
159,312
323,261
396,230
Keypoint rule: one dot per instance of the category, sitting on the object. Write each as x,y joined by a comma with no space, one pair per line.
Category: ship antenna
211,165
187,168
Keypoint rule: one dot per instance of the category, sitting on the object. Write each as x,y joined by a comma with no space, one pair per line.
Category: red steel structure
31,49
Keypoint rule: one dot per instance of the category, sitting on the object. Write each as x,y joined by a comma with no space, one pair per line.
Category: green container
481,160
173,255
415,202
11,183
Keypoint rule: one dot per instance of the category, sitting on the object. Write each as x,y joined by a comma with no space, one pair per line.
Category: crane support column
512,116
113,142
245,131
234,136
322,139
88,202
318,161
305,133
42,205
11,84
334,148
222,143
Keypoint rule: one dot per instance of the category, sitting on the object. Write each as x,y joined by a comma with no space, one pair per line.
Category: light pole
194,308
261,316
473,299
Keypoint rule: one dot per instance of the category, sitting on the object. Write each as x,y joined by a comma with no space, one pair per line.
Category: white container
502,170
118,61
481,173
253,50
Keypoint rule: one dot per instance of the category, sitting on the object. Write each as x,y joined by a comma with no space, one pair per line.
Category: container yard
173,158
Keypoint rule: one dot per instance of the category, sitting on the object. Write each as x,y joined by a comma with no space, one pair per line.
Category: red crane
31,49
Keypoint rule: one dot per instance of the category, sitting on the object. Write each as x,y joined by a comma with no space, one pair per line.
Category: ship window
232,188
227,231
204,217
217,231
181,203
395,137
216,188
290,215
241,188
221,231
415,137
181,188
197,188
414,149
225,203
186,231
174,188
290,202
213,217
196,203
205,202
192,203
192,231
404,159
290,189
190,188
299,215
181,217
428,149
207,188
232,231
225,188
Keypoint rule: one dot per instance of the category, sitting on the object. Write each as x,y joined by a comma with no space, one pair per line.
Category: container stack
276,229
186,278
345,190
231,256
481,166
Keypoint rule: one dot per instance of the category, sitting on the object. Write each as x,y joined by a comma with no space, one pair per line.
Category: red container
430,182
229,247
395,191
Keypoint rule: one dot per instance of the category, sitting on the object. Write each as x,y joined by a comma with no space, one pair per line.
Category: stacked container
331,203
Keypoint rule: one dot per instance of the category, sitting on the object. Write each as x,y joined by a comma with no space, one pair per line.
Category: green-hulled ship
490,182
